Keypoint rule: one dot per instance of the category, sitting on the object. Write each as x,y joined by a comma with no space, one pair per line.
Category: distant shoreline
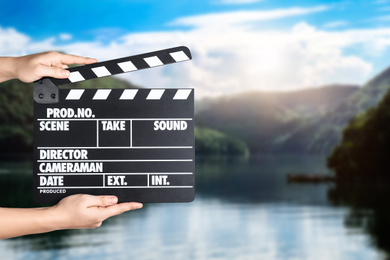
15,156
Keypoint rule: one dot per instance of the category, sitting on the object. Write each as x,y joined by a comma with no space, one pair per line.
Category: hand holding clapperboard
137,144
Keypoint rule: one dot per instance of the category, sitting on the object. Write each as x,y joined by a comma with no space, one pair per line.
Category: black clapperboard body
137,144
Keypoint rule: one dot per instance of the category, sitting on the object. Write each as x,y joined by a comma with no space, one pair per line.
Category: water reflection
210,229
260,179
369,210
244,209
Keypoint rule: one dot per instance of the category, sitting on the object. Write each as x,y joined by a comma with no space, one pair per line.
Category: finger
103,201
73,59
59,65
46,71
119,209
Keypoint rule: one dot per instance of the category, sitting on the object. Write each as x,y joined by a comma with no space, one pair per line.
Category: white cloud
65,36
232,57
384,9
243,17
383,18
335,24
13,43
381,2
238,59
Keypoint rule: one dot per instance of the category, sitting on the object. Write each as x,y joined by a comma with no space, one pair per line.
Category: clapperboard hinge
46,89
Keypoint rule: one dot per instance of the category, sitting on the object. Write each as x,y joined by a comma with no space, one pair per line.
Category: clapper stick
46,89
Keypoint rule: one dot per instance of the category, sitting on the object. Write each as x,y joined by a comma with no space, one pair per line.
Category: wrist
8,68
48,219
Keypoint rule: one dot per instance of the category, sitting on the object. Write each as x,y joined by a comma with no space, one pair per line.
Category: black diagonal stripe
85,71
59,82
168,94
166,58
114,68
139,62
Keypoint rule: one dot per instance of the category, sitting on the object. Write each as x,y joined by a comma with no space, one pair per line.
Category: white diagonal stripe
101,94
127,66
182,94
155,94
75,76
128,94
101,71
179,56
153,61
74,94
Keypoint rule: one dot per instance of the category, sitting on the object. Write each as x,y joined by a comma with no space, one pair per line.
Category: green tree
365,147
212,142
16,117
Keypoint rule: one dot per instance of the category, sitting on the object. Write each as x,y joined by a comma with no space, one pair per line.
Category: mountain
302,121
263,119
322,134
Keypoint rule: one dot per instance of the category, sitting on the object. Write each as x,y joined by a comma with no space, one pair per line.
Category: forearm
7,68
19,222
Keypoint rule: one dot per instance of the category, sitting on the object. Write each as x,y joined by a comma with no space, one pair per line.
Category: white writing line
122,147
112,119
131,133
118,173
143,160
97,134
116,187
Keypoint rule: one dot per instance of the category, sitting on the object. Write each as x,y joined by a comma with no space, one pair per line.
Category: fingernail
138,206
65,73
113,200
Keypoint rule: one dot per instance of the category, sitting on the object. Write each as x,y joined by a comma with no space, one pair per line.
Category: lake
244,209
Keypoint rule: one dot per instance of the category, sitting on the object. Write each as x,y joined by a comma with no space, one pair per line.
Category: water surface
244,209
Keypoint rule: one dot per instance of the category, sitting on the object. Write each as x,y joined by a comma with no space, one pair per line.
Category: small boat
314,178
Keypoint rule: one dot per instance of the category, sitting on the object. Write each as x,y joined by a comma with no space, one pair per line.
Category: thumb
103,201
55,72
117,209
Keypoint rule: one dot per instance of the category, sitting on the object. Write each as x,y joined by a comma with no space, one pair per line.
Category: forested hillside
212,142
365,147
265,120
322,134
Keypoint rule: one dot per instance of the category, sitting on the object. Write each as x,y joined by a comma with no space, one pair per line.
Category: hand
76,211
87,211
33,67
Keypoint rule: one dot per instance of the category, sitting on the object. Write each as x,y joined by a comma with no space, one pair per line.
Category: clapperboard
137,144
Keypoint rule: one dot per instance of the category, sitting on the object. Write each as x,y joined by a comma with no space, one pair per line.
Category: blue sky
84,19
238,45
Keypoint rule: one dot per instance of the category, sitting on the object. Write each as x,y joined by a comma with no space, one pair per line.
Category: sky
237,45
